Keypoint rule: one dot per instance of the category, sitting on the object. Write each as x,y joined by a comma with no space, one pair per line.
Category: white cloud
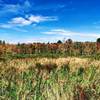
58,32
20,21
28,20
50,36
38,19
69,33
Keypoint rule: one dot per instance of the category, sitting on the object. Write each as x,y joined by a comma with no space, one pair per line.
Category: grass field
50,79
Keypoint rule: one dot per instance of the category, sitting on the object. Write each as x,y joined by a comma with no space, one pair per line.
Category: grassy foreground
50,79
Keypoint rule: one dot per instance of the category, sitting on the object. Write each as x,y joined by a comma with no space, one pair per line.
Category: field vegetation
50,71
50,79
51,50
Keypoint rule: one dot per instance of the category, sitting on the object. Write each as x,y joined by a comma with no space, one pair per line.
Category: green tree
98,44
98,40
59,41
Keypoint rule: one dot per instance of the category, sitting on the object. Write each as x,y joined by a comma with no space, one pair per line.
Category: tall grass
48,81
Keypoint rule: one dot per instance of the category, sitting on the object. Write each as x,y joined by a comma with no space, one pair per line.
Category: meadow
49,49
68,78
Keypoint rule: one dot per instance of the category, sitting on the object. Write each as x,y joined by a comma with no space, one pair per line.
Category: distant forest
66,48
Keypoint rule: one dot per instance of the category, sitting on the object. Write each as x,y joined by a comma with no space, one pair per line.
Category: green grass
47,55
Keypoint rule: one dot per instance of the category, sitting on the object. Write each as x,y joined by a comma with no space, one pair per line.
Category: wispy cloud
20,21
28,20
15,8
38,19
28,6
5,26
8,26
63,32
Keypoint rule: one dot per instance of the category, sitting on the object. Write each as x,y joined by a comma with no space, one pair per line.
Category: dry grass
50,79
23,64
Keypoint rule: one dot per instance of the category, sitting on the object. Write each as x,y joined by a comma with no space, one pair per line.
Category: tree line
67,48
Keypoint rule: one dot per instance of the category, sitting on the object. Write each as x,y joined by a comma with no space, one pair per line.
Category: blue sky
49,20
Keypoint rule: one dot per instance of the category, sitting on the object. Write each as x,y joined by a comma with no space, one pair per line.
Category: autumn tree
62,48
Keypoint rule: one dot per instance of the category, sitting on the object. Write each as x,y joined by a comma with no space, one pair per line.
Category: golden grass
74,62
